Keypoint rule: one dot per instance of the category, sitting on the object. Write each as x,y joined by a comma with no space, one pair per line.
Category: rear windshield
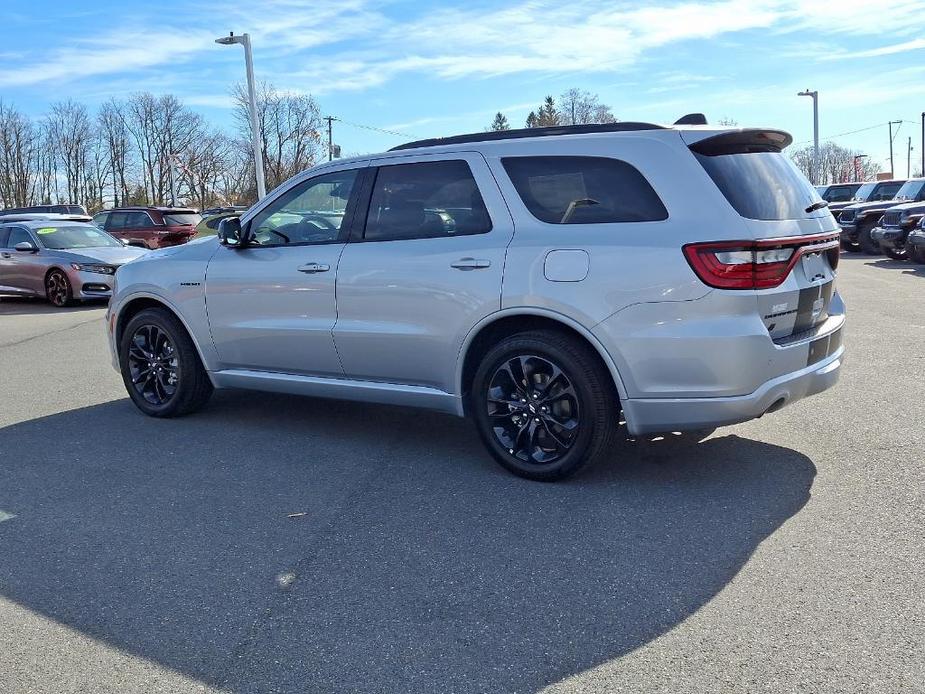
75,236
177,219
761,185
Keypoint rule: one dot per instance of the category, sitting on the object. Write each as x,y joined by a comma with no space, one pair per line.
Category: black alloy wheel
897,253
153,365
545,404
534,409
58,289
868,245
160,366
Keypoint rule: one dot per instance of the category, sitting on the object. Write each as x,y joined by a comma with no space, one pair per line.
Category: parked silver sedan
63,261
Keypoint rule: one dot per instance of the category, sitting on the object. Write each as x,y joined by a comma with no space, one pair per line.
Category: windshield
864,192
182,218
75,236
761,185
911,190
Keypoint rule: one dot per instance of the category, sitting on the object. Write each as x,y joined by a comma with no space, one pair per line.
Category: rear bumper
645,416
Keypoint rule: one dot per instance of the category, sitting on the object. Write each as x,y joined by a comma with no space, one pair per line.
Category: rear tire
868,245
544,405
160,366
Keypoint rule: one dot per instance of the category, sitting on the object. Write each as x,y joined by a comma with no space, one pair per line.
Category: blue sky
428,69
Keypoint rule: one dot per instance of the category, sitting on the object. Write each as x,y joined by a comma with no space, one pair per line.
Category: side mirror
26,247
230,233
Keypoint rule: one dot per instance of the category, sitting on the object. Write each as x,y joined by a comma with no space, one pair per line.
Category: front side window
19,235
426,200
309,212
583,190
886,191
138,220
838,194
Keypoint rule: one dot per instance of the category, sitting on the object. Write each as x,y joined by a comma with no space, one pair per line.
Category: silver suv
539,281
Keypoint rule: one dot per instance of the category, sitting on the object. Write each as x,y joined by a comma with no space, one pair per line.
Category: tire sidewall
521,346
157,319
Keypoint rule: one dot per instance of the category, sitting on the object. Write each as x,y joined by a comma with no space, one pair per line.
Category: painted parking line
4,516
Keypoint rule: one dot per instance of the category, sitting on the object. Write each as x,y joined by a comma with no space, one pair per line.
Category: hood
109,256
914,207
862,207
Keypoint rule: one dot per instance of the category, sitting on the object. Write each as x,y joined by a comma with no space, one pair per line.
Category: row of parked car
880,216
62,253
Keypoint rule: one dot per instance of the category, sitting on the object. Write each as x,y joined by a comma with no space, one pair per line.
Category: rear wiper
574,205
817,206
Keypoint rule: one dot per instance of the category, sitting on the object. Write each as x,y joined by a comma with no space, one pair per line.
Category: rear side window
426,200
761,185
583,190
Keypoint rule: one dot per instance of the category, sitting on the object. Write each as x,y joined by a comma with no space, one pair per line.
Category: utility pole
815,96
909,159
892,167
330,119
923,143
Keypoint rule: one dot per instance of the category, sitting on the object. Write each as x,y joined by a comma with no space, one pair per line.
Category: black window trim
32,237
345,226
358,232
559,225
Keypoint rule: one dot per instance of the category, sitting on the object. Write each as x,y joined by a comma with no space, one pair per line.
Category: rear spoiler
742,142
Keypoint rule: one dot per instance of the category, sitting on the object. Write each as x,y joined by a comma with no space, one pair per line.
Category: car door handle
470,264
312,268
6,255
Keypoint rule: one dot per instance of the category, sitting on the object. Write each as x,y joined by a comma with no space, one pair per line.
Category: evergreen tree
548,115
500,122
531,120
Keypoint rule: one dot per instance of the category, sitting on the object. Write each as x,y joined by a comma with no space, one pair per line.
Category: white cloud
335,45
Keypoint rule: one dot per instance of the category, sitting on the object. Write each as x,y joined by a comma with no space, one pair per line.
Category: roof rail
492,135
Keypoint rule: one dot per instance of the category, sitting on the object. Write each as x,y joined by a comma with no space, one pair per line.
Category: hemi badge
779,308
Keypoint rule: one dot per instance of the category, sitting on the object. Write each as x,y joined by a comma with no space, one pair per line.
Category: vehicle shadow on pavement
907,267
19,306
415,563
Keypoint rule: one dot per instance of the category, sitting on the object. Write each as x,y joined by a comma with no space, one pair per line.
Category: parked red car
149,227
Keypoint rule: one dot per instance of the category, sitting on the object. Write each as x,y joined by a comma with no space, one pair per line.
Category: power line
378,130
850,132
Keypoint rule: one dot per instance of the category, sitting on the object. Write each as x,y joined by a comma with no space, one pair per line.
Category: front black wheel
868,245
915,253
58,289
850,247
160,367
897,253
544,405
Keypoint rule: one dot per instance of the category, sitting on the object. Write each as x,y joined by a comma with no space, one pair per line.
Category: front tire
850,247
160,367
544,404
58,289
868,245
915,253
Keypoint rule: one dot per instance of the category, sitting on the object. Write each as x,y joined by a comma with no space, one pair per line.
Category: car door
6,262
422,270
22,270
140,228
271,303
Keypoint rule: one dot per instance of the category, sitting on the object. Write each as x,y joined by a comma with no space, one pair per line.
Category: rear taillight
755,264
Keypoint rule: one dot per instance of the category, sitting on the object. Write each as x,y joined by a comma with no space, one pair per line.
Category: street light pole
892,168
815,96
245,40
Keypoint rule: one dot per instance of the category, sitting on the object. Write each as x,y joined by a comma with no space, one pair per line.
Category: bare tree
836,164
71,134
289,130
578,107
19,147
111,120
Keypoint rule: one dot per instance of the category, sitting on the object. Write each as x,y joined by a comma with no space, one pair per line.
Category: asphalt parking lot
138,555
